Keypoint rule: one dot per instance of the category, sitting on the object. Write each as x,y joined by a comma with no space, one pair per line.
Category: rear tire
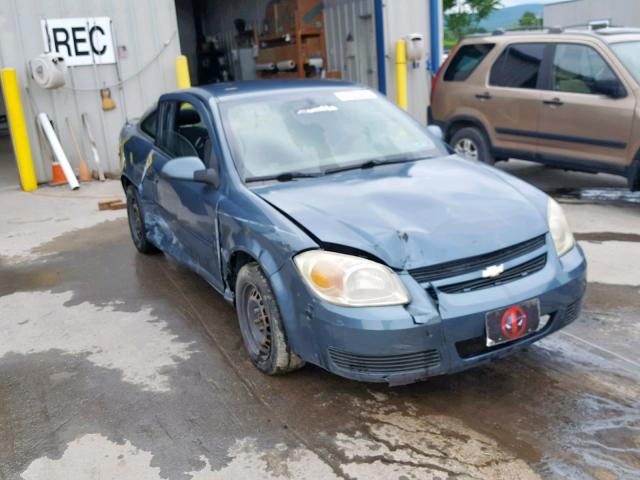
471,143
137,225
261,325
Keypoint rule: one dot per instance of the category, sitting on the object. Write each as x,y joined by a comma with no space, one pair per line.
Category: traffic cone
57,175
84,174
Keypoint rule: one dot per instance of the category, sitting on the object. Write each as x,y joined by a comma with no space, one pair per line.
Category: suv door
188,207
512,99
587,113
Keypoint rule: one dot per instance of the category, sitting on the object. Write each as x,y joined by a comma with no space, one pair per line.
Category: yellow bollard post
182,72
18,127
401,74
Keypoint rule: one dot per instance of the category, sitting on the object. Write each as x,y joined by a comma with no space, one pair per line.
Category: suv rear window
467,58
518,66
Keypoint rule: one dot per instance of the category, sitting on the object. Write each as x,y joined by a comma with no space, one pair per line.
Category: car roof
234,89
607,35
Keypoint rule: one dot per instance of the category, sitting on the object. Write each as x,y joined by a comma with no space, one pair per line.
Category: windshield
627,52
312,131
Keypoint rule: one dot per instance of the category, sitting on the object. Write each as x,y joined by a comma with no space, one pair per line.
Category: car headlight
559,227
350,281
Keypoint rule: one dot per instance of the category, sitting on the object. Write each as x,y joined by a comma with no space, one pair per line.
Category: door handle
554,101
484,96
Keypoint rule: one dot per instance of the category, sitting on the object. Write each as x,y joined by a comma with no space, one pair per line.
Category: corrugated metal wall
350,33
580,12
148,29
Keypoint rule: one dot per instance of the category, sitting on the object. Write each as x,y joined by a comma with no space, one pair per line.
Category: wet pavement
119,365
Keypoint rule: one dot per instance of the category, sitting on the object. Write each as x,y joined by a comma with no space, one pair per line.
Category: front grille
510,275
473,264
385,363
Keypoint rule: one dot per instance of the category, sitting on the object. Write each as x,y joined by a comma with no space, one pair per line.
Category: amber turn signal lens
326,275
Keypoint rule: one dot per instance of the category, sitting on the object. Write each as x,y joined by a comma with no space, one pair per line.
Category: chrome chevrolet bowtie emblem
492,271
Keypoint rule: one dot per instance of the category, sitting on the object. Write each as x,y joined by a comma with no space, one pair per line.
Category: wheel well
236,262
458,125
125,182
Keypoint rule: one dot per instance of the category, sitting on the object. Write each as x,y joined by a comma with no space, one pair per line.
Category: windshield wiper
374,162
283,177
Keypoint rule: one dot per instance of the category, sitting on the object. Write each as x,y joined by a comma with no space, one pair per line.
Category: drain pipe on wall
434,27
380,50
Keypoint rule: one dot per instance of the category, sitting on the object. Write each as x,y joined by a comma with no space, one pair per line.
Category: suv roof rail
616,30
583,28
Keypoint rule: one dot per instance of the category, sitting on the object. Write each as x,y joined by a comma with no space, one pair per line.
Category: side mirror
436,131
611,87
209,176
182,168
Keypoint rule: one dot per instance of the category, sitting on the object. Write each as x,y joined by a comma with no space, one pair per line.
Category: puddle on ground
599,237
552,410
605,195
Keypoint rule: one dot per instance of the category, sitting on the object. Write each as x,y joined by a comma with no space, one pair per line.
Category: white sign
81,41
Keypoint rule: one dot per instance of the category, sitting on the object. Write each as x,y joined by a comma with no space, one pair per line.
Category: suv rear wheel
470,142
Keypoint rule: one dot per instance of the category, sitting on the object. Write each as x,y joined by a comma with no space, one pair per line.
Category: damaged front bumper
405,344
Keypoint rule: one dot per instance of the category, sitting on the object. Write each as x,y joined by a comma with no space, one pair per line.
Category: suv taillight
434,84
442,68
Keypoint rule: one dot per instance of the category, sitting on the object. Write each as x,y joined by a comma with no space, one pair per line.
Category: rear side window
518,66
467,58
150,124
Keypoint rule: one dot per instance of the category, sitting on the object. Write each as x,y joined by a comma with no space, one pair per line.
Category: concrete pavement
118,365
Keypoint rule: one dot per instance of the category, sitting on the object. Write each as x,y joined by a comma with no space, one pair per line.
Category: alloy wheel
466,148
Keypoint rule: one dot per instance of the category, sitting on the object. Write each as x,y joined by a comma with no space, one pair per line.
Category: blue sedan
345,233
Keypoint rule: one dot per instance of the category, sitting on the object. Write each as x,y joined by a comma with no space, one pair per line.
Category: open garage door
278,39
8,169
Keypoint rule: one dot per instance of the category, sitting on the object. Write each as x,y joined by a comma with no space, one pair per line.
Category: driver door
188,207
577,122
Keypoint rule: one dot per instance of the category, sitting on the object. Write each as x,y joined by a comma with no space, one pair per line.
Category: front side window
316,130
184,133
465,61
518,66
579,69
627,52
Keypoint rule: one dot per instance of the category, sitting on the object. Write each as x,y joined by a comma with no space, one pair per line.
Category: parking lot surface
119,365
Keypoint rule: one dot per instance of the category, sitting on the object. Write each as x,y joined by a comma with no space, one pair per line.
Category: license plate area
512,323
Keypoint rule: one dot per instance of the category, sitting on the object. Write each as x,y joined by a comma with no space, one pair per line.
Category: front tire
261,325
137,227
471,143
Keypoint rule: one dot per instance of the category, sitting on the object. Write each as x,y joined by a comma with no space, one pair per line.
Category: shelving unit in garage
292,43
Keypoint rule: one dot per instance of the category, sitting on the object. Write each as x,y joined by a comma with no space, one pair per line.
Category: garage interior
8,168
278,39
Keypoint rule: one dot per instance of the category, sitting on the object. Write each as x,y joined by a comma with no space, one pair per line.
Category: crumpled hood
414,214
